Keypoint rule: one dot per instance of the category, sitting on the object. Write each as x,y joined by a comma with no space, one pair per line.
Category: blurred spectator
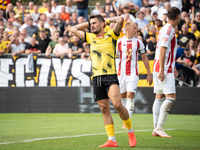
43,41
17,21
22,37
167,6
96,11
69,7
26,24
182,21
146,4
188,61
30,7
195,8
27,38
61,48
74,21
151,34
66,38
2,28
107,9
82,7
157,8
35,15
186,6
138,3
33,47
197,61
9,28
17,7
188,22
16,47
64,15
123,3
191,45
4,20
185,36
44,18
155,17
31,29
44,7
60,22
54,28
76,47
195,31
126,11
22,13
47,31
179,67
49,13
6,37
2,46
9,8
55,7
11,16
133,9
158,24
15,33
151,48
146,16
86,53
176,3
141,21
164,19
52,44
197,20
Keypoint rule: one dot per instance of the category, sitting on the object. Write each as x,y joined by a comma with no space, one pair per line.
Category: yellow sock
110,130
128,123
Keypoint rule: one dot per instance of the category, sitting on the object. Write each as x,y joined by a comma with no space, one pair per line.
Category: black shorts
101,85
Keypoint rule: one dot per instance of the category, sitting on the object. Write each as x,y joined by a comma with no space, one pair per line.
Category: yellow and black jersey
102,52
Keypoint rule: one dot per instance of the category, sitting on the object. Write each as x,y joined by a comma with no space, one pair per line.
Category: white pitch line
73,136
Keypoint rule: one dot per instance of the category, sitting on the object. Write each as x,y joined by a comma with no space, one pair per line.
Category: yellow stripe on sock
110,130
128,123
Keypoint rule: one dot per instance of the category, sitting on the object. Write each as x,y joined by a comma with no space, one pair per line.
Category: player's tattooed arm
119,23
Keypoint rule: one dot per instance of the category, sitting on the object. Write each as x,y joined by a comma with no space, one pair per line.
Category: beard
96,31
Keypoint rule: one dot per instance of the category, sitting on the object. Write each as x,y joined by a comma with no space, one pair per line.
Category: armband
143,51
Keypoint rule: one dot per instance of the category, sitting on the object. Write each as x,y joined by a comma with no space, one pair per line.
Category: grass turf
69,131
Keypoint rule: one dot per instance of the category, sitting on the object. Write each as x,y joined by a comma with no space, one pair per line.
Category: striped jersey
128,50
166,38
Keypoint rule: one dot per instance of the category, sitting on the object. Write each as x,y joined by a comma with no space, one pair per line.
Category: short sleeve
141,49
112,33
88,37
165,37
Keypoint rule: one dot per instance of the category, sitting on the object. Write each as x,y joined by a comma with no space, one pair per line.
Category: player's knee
105,109
117,106
171,99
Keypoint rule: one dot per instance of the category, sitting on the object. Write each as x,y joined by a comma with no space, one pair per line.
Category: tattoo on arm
118,26
115,96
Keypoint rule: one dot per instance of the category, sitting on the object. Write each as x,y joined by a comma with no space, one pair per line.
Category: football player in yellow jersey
105,82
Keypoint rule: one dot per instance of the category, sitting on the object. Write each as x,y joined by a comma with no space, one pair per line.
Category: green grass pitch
37,131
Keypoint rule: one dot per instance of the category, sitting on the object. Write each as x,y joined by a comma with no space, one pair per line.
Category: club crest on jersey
129,53
165,39
106,36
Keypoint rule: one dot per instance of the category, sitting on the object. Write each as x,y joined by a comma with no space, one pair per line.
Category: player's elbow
73,29
121,19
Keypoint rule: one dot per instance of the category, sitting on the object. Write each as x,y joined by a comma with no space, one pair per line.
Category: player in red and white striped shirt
129,47
164,72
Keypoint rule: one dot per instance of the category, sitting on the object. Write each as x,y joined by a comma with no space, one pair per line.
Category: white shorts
128,83
164,87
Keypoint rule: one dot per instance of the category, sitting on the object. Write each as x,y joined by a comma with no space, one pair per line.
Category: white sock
130,130
123,101
130,106
164,111
156,110
112,138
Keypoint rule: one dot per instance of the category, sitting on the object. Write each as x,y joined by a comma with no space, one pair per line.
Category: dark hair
99,17
173,13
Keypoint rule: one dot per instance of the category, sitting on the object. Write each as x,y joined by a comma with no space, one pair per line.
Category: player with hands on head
105,82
